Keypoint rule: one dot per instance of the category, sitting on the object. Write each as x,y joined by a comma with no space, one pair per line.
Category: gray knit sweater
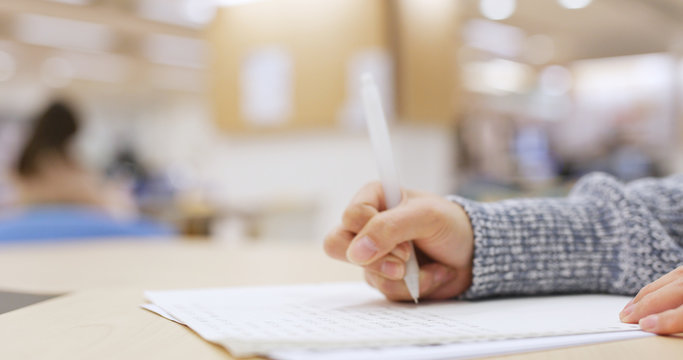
605,237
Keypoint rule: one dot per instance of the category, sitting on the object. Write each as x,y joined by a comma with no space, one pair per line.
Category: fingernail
649,323
392,269
363,250
628,310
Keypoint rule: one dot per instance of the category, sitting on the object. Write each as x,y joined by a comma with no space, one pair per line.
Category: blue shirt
72,222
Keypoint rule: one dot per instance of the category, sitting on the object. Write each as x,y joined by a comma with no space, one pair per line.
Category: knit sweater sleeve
604,237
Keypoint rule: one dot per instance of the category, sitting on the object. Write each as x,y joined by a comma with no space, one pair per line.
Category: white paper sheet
159,311
262,320
455,351
460,350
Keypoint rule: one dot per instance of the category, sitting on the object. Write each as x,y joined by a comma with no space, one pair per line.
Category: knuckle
356,216
678,286
350,215
335,243
670,322
328,245
645,303
386,227
374,185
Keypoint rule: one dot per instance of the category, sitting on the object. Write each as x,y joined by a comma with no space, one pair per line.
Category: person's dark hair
52,133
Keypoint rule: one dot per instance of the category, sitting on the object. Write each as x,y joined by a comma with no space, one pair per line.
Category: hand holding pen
379,228
375,238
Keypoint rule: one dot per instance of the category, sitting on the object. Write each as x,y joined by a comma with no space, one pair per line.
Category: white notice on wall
266,84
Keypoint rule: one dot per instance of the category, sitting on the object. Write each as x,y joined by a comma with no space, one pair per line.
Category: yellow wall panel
427,39
320,36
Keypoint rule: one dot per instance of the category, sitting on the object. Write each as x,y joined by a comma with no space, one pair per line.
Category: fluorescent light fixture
191,13
63,33
498,76
199,12
575,4
497,9
494,37
621,78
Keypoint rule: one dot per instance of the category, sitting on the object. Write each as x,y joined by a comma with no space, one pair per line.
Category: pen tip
416,300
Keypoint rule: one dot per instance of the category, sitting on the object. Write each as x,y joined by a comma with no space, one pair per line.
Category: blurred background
240,121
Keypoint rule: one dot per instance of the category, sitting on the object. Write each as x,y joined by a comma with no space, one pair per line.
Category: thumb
411,220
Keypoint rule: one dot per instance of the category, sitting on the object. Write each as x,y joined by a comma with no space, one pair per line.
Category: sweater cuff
541,246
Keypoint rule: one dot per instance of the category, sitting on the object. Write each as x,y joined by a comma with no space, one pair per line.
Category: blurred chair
56,222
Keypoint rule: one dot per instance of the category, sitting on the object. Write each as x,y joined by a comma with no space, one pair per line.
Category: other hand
658,307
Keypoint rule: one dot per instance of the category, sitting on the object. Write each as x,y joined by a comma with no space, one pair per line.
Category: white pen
381,145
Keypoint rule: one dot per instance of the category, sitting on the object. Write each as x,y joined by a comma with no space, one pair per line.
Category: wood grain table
100,317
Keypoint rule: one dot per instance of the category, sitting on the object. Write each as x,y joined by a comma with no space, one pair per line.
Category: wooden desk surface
108,324
65,267
102,320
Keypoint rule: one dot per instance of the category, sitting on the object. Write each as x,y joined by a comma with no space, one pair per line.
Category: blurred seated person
58,198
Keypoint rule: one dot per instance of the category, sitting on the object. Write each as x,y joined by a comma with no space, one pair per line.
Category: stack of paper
292,322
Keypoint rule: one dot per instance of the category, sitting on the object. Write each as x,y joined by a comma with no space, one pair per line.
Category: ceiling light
497,9
574,4
200,12
498,76
63,33
494,37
